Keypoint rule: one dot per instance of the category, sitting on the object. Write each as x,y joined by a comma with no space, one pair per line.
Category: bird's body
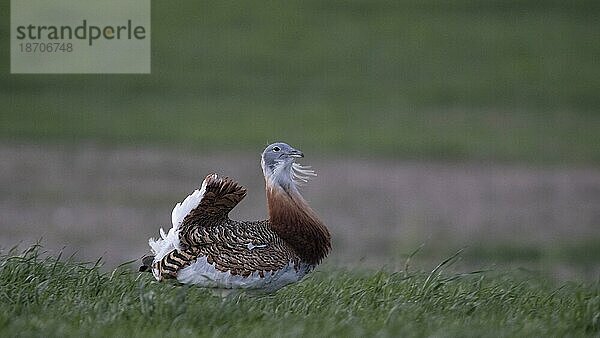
206,248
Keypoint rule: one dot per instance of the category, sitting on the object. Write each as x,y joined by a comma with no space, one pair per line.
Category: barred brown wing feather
240,248
239,260
174,261
243,247
221,195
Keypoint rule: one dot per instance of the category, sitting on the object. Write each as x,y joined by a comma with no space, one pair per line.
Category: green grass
559,260
478,80
47,297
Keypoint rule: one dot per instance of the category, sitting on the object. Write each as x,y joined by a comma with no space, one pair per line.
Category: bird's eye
276,149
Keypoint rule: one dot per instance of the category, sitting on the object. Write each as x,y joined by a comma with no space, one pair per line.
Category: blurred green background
481,80
362,86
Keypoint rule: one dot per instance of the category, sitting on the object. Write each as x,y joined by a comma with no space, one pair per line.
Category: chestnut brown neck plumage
297,224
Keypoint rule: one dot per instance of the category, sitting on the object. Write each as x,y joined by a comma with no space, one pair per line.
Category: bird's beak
296,153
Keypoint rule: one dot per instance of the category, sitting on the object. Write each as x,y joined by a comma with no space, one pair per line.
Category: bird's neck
296,223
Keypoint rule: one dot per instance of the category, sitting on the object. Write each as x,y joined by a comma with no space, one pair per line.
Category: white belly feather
206,275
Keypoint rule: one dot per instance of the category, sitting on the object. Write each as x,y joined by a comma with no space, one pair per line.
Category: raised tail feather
215,199
207,206
221,195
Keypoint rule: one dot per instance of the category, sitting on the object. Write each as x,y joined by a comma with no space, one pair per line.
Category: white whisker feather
302,174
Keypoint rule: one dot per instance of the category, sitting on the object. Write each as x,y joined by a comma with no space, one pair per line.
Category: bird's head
279,167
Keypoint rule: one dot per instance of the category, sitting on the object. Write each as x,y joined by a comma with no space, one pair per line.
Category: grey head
276,162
